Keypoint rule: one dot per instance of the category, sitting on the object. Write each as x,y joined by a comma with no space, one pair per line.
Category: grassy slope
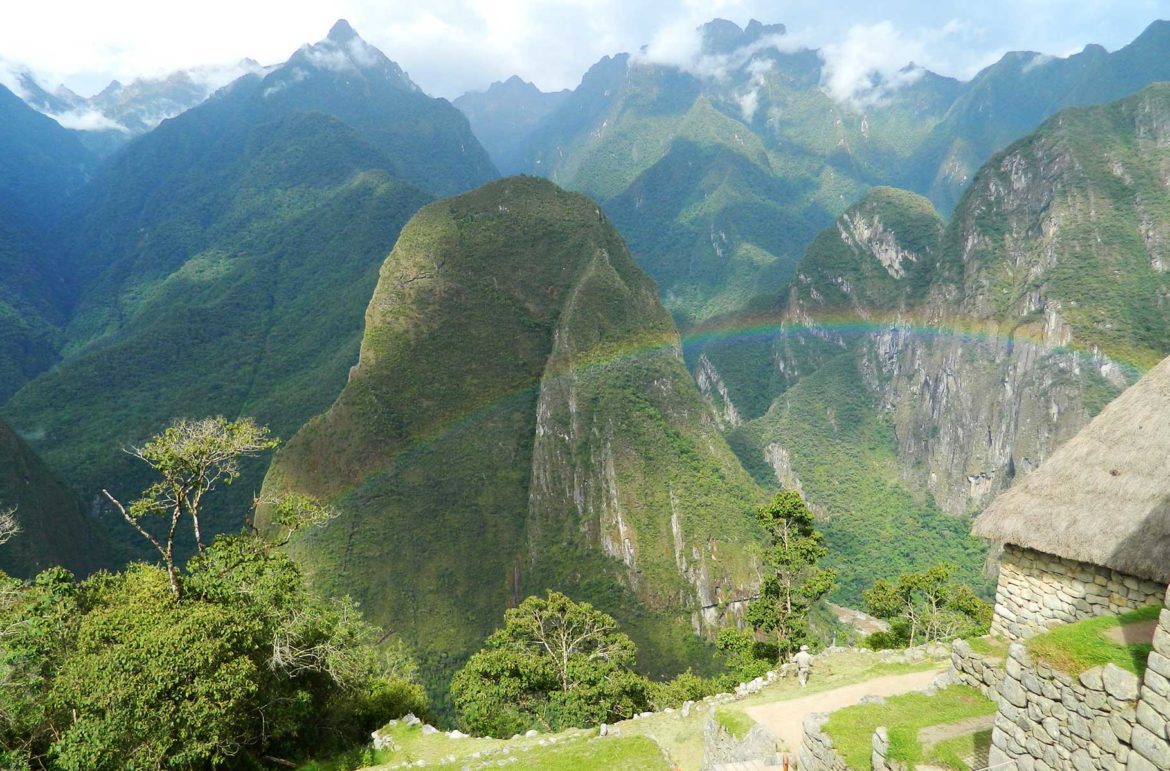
679,739
492,302
1074,648
258,313
852,728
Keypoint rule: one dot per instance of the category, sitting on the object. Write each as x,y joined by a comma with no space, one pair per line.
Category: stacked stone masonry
1151,734
976,669
1038,591
817,752
1049,720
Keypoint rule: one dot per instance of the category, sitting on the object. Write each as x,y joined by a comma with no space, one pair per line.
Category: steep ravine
968,353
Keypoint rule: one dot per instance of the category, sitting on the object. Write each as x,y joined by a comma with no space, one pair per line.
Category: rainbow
763,328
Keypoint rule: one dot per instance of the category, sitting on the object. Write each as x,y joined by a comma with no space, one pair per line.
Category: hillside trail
785,719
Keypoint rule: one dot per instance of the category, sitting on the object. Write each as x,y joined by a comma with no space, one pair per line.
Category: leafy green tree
121,671
793,581
926,606
192,457
554,664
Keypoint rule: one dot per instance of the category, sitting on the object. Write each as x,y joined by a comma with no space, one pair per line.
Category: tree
192,457
9,526
196,667
554,664
793,581
926,606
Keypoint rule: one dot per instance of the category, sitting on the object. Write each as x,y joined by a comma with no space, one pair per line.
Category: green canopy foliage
793,580
926,606
554,664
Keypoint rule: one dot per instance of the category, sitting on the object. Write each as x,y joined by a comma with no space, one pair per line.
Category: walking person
803,661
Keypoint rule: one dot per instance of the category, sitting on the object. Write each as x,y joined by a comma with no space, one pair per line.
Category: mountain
520,419
1012,97
934,363
657,144
54,527
221,263
117,114
237,263
503,116
430,141
41,164
720,172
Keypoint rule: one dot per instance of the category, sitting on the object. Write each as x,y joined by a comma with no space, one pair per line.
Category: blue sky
450,46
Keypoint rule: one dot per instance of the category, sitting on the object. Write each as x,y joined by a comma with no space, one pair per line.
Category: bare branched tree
9,526
192,457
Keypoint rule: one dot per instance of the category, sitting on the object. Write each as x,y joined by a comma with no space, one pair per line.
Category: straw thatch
1104,496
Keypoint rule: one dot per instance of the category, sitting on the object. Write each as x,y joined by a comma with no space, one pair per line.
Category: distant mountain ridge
505,114
629,136
221,263
959,354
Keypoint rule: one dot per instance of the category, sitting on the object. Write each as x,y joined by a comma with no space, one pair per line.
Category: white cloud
87,119
450,46
1037,61
874,61
749,101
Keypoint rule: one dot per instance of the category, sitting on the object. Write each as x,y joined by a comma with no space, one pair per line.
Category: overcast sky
451,46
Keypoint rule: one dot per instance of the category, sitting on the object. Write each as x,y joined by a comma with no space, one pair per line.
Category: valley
670,360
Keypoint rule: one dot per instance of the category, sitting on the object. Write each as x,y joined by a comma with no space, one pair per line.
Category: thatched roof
1104,496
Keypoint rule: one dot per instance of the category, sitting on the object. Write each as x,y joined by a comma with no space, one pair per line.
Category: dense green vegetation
842,452
927,606
793,580
54,527
1074,648
554,664
258,311
216,664
903,716
514,355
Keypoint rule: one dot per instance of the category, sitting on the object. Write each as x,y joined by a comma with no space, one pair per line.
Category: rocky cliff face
520,419
987,345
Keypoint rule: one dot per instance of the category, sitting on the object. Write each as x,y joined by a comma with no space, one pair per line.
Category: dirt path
1136,632
933,734
785,719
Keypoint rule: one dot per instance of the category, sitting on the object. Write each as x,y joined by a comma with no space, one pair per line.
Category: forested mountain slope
970,351
520,419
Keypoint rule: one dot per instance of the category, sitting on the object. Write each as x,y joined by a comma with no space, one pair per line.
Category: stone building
1088,533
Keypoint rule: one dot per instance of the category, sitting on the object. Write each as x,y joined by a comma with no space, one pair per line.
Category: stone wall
817,752
1151,734
1049,720
976,669
1037,591
720,747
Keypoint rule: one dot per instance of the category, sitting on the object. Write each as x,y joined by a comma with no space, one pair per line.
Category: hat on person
804,647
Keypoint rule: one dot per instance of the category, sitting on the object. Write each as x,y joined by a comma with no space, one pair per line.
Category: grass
734,722
989,646
569,750
676,738
1081,646
903,716
952,753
